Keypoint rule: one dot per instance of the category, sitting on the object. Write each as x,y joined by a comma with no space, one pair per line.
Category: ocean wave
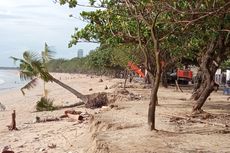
1,81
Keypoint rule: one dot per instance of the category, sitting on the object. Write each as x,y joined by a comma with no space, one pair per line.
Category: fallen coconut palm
32,67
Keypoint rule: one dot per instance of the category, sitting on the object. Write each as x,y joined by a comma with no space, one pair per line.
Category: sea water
9,79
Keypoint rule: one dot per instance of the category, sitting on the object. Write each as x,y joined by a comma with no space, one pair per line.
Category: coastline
9,80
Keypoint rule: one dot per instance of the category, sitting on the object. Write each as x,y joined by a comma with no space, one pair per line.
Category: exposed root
97,100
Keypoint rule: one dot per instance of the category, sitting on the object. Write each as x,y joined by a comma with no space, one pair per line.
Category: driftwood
73,112
13,122
7,149
197,120
39,120
70,106
75,115
106,87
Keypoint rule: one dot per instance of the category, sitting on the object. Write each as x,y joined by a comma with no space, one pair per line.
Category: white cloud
28,24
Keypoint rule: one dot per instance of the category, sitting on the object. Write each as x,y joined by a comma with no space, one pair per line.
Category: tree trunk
198,85
164,79
205,90
217,52
126,77
197,93
208,68
177,86
13,122
204,95
147,78
156,82
95,100
72,105
155,86
73,91
153,101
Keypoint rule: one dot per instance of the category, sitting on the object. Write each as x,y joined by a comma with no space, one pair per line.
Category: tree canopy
165,32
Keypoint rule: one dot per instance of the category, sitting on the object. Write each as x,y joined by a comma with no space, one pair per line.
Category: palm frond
29,85
47,54
26,75
32,66
31,56
17,59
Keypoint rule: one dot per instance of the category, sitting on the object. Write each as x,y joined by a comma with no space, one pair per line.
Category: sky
28,24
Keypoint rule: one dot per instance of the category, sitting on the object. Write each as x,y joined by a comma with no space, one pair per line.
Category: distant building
80,53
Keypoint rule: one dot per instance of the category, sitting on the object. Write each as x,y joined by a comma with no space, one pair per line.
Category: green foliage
72,3
186,26
55,65
184,30
104,59
225,65
75,65
45,104
33,66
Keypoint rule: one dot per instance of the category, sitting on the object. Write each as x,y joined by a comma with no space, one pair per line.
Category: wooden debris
13,122
112,106
39,120
105,108
106,87
52,145
195,120
80,118
74,117
73,112
122,91
7,149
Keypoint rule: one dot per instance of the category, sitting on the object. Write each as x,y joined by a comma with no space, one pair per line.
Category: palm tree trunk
73,91
44,89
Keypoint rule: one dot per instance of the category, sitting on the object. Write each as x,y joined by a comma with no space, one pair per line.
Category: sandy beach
35,137
118,130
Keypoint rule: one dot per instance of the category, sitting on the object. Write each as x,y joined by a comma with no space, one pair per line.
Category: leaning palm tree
32,67
47,55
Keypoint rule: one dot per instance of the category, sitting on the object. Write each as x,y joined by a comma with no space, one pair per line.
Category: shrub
45,104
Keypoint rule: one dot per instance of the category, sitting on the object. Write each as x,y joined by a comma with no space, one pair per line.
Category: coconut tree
47,55
32,67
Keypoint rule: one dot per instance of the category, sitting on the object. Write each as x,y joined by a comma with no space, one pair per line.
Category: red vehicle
185,74
182,76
